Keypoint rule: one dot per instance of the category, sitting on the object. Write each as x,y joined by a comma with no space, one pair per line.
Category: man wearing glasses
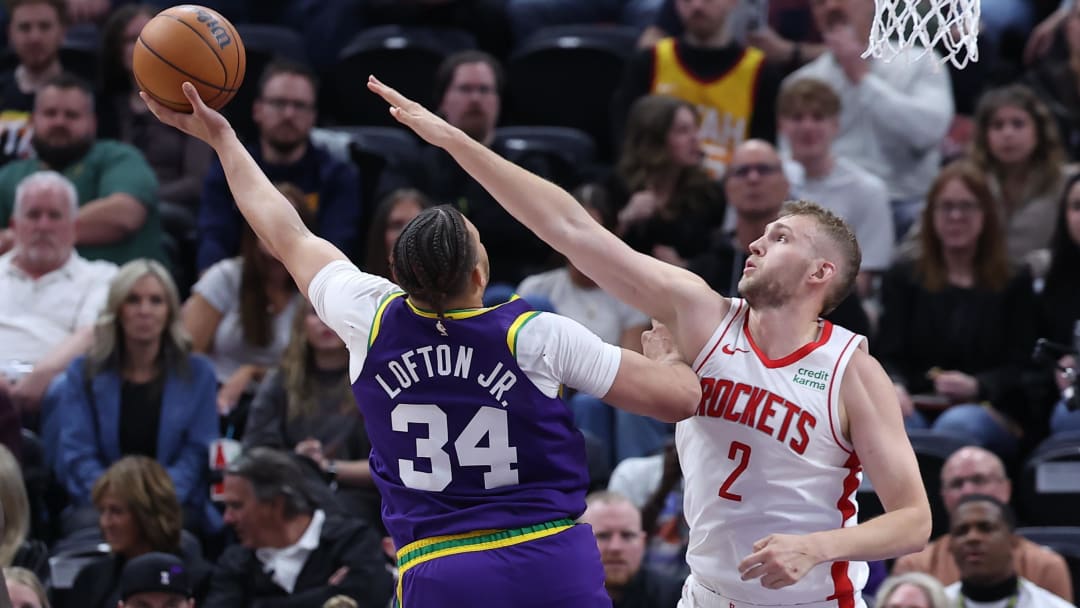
284,114
973,470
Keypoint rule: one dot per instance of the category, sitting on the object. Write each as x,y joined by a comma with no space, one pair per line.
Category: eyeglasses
279,104
762,169
470,89
978,480
947,208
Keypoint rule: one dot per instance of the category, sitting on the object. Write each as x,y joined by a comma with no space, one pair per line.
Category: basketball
189,43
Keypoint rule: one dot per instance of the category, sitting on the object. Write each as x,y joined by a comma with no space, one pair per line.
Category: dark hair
445,74
115,79
1007,512
434,256
272,474
377,258
808,95
287,66
1064,252
65,81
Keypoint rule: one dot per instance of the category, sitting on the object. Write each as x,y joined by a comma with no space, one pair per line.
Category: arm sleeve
918,117
219,222
340,207
345,298
79,459
187,470
127,172
220,285
265,423
555,350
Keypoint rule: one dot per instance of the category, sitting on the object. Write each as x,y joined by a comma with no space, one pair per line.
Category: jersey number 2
739,452
497,456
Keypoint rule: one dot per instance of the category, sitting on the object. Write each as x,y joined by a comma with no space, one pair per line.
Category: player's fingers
775,580
750,561
761,543
193,98
754,572
387,93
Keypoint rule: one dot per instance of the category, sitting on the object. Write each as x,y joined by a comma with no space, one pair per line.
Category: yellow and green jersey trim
427,549
376,322
515,328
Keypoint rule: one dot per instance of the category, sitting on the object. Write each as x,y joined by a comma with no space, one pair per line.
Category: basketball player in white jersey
793,409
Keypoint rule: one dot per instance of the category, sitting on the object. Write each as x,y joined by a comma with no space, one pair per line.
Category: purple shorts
559,569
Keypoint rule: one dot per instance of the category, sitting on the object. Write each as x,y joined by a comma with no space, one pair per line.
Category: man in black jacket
291,552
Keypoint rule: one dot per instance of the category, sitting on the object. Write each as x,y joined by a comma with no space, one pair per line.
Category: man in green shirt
118,210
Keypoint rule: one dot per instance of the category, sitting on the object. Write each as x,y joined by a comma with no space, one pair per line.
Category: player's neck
780,331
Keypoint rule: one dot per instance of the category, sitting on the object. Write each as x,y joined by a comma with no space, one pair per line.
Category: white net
951,27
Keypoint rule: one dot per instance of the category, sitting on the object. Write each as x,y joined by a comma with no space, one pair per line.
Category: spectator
973,470
139,514
139,391
570,293
118,215
306,406
284,113
1060,297
156,580
983,530
35,32
291,552
468,93
52,295
239,314
528,16
24,589
809,113
911,590
1018,146
1057,82
616,523
10,422
340,601
667,204
180,162
395,210
756,188
894,115
16,546
730,84
957,326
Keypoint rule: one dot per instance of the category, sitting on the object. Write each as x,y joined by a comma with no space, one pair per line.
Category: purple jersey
461,438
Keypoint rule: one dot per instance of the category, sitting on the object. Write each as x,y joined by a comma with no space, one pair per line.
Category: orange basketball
192,43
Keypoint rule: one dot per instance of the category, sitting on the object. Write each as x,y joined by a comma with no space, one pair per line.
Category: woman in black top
1059,301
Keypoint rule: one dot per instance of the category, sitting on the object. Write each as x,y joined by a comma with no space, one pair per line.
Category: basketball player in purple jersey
793,409
481,470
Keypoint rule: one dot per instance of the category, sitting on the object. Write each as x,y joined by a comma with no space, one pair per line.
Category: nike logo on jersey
728,349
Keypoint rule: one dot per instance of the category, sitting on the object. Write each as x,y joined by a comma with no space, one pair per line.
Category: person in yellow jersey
732,86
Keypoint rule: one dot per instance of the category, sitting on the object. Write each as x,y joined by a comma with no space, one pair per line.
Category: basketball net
950,27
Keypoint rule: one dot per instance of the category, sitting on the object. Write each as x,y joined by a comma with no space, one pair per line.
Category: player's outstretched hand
427,125
203,122
779,560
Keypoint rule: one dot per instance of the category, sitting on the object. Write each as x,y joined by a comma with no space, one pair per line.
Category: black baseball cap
150,572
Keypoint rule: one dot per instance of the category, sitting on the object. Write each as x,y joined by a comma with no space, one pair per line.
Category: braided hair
434,257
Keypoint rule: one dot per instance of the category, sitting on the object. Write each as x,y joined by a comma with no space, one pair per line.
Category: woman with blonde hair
958,323
911,590
138,512
306,406
24,588
140,390
16,548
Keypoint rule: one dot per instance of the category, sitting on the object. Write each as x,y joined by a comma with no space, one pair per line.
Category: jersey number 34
497,455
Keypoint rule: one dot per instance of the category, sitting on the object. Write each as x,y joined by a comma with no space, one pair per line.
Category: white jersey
765,455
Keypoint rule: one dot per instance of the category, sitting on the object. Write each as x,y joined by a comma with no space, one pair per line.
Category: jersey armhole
376,320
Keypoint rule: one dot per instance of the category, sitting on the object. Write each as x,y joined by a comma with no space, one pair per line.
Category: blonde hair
16,507
107,351
26,578
143,485
302,387
930,586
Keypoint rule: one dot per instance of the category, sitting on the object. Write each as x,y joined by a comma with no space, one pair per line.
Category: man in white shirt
894,115
51,294
808,112
983,539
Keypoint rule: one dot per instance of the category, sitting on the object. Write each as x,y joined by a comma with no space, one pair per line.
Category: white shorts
696,595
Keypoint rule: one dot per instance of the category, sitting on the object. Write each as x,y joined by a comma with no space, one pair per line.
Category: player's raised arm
652,286
270,215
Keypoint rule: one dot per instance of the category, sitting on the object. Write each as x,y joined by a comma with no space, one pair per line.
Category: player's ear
823,270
